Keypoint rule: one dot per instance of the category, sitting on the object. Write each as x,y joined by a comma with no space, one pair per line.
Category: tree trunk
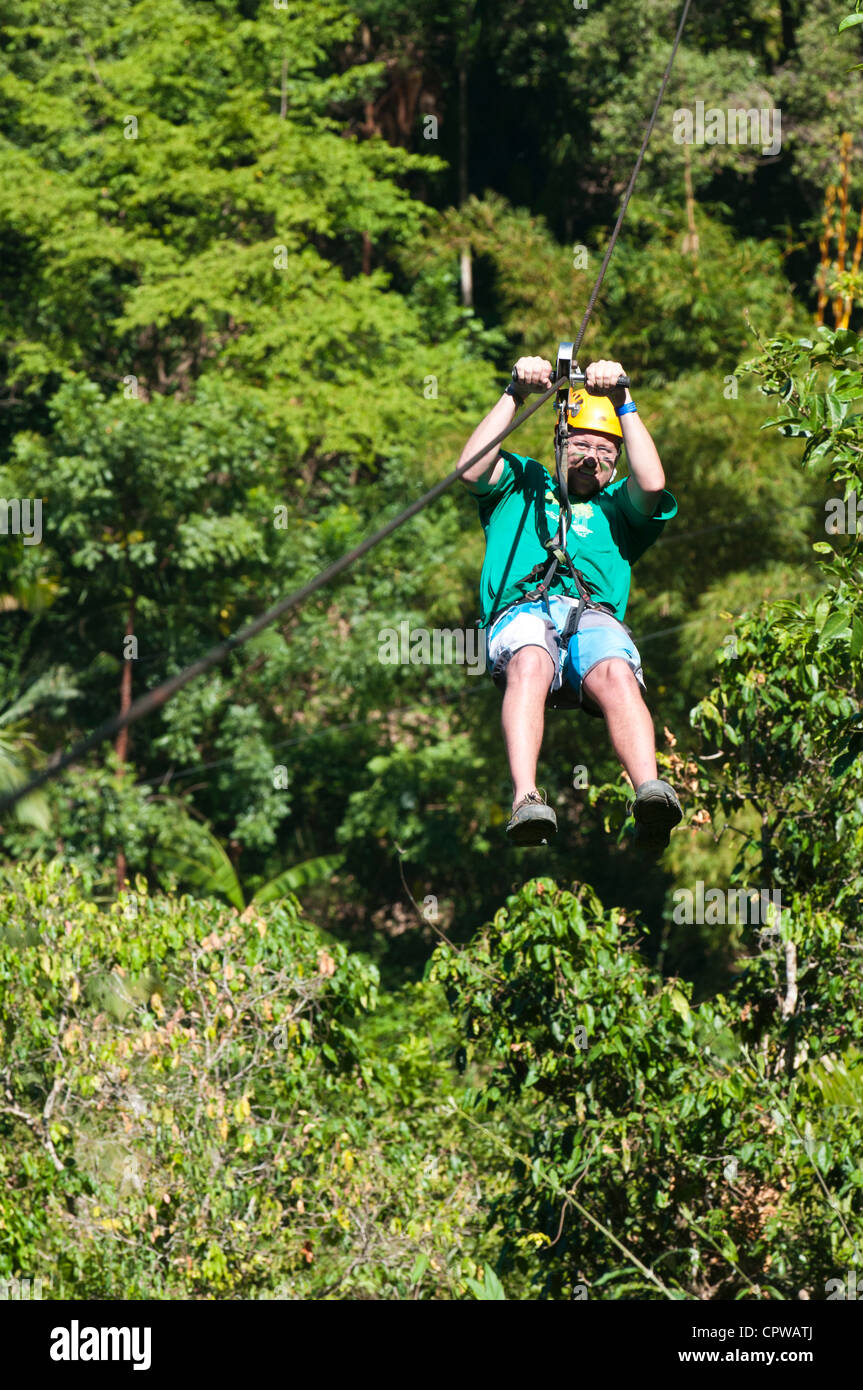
121,747
789,29
466,276
789,1003
465,263
690,241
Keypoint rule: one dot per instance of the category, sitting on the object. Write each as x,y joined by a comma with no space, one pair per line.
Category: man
558,637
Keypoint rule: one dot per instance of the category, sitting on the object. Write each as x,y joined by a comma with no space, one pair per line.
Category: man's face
591,460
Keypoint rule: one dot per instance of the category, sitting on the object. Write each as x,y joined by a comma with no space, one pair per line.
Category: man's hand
603,375
534,374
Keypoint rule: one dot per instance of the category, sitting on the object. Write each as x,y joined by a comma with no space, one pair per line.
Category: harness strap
561,559
542,589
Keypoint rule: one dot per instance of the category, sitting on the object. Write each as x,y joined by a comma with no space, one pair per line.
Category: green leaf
302,875
840,1079
491,1289
680,1004
835,626
494,1288
203,863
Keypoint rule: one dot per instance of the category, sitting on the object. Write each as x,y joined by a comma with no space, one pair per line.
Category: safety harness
543,574
559,559
541,591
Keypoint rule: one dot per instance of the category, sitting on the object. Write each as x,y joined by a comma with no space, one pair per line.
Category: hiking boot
656,811
533,821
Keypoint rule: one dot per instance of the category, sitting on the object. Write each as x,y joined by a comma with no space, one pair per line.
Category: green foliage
671,1151
190,1107
231,291
17,739
784,711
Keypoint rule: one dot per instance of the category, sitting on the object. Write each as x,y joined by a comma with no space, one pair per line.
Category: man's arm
534,374
646,475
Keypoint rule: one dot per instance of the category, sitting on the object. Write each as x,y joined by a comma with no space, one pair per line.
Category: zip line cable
161,694
631,185
154,699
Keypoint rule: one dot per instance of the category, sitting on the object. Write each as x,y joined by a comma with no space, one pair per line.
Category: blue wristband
626,409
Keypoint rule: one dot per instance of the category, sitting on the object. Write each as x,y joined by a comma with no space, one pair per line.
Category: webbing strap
542,591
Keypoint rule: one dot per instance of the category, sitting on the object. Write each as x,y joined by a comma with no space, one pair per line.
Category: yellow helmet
587,412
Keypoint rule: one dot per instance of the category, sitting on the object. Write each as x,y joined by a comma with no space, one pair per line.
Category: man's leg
612,685
528,679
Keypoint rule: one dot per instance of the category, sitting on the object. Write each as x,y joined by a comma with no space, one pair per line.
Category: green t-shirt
606,536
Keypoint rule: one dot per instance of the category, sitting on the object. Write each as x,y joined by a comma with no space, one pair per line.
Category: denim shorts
600,637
